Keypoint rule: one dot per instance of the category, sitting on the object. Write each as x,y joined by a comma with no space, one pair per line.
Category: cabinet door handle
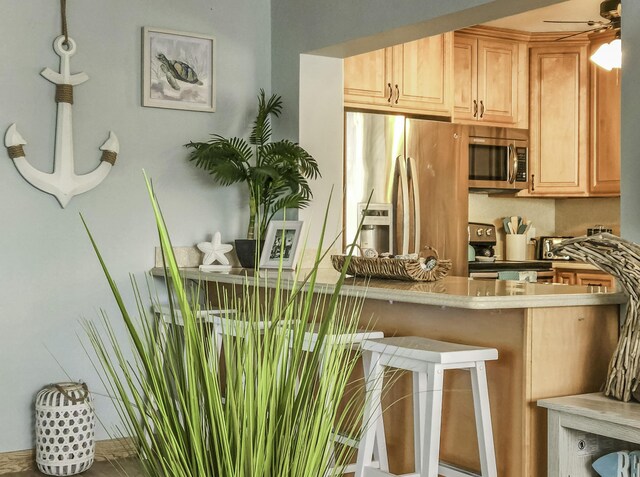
397,94
475,108
533,182
481,109
390,92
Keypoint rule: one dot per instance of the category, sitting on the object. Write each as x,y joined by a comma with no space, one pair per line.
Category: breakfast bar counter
552,340
457,292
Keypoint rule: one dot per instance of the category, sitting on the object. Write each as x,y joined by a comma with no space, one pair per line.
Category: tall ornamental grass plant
273,414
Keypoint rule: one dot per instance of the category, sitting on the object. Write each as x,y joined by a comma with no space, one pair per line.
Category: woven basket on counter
424,269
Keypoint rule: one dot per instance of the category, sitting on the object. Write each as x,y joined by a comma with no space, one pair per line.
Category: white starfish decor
214,251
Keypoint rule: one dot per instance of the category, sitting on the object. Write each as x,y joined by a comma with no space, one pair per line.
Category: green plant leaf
227,160
261,131
277,416
272,171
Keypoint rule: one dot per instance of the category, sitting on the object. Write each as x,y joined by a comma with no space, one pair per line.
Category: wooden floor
120,468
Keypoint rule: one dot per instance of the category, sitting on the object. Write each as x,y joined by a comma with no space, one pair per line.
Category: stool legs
380,447
427,408
372,413
419,403
483,420
428,447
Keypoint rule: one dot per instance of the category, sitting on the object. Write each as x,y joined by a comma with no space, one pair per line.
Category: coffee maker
482,237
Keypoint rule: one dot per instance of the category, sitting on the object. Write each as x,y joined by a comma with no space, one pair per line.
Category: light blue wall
49,277
630,195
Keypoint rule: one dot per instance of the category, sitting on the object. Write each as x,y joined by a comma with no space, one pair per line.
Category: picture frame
271,252
178,70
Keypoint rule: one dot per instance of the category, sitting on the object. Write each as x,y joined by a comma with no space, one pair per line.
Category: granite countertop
456,292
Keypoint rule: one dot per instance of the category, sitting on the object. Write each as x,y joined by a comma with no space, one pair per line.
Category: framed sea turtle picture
178,70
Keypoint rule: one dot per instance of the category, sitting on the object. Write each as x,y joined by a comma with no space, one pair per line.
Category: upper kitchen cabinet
559,127
490,77
604,171
413,77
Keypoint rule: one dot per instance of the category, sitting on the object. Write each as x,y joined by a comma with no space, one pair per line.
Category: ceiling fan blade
588,22
577,33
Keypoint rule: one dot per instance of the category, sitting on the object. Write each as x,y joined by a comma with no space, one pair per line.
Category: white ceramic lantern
65,421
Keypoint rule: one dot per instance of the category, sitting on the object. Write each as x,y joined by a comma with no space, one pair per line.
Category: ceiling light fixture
609,55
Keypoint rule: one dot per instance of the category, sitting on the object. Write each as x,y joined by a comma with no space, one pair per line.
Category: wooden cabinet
595,279
589,278
412,77
368,78
559,125
566,278
574,132
604,171
490,80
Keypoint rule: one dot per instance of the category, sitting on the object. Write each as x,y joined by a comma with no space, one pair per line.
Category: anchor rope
15,151
64,93
63,12
109,156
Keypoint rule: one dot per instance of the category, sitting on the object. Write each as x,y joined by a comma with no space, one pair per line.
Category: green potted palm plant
276,173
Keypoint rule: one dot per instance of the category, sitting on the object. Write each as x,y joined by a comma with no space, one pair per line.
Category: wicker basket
65,422
424,269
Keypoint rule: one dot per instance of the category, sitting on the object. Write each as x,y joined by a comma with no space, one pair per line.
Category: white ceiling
569,10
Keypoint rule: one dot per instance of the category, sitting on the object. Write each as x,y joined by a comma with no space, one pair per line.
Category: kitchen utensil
514,225
507,227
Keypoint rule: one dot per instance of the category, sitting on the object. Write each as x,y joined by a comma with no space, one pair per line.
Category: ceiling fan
609,9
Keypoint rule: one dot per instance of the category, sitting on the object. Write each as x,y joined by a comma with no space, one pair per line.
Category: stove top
498,265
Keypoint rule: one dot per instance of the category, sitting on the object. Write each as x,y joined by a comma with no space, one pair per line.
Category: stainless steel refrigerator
416,173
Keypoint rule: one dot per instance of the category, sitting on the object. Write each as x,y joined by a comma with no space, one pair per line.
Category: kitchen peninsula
552,340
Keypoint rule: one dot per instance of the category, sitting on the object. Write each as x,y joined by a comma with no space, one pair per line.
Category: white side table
584,427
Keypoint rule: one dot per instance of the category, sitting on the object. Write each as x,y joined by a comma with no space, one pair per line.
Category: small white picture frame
275,250
178,70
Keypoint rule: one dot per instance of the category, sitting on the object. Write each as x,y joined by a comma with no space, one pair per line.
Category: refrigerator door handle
413,177
404,187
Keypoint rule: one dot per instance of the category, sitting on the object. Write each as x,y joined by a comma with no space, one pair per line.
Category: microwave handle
513,158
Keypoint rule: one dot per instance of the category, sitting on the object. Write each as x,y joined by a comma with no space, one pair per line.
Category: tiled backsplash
574,216
548,216
541,212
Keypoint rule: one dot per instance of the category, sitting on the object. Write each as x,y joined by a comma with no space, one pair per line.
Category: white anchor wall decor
63,182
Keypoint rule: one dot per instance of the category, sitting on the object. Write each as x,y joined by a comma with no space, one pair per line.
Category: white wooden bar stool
378,454
222,322
427,359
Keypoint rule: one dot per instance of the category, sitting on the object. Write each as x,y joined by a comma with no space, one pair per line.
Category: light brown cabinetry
604,173
575,122
566,278
594,279
411,77
559,124
589,278
490,78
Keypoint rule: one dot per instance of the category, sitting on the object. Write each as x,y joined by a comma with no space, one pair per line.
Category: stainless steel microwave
498,159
